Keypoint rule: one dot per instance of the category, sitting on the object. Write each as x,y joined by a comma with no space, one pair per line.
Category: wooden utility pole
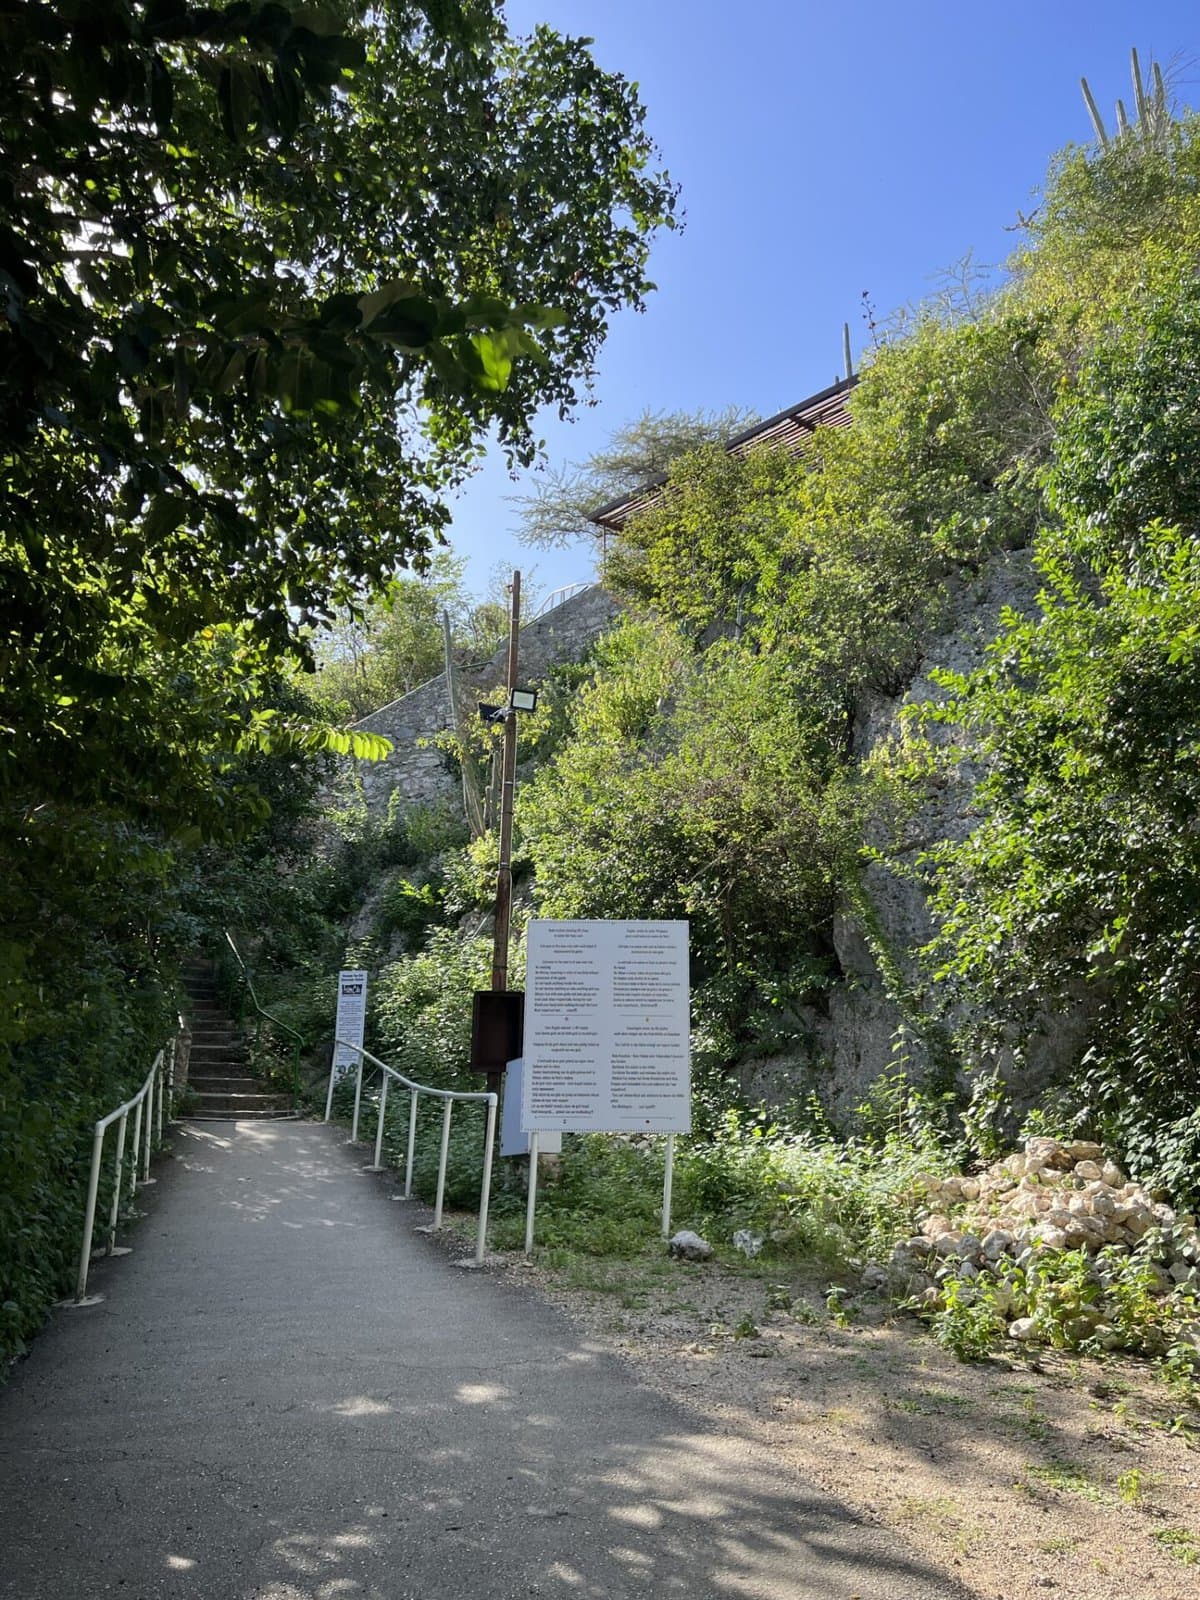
472,799
508,785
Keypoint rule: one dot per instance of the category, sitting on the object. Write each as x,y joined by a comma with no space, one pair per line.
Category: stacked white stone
1051,1196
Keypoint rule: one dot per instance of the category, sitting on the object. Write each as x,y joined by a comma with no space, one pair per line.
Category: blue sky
823,150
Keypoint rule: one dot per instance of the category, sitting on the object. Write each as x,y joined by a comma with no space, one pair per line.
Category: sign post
513,1141
607,1034
349,1031
508,779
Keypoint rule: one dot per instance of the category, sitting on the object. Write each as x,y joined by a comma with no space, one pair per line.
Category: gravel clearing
1021,1476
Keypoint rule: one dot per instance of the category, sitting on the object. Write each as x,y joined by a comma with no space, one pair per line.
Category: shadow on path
285,1395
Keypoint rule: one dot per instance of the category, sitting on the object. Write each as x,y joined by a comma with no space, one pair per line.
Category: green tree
692,784
699,553
270,272
373,654
1081,883
302,252
562,503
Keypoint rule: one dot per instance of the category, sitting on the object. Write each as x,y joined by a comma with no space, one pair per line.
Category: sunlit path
285,1395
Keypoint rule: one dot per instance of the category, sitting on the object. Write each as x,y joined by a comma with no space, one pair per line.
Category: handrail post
531,1196
116,1199
414,1096
668,1184
383,1094
329,1092
161,1083
148,1130
485,1192
357,1098
137,1147
441,1181
89,1216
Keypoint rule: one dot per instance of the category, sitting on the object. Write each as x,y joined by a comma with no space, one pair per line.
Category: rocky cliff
876,1020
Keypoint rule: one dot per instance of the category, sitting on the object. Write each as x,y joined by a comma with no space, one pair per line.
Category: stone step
244,1116
218,1072
240,1105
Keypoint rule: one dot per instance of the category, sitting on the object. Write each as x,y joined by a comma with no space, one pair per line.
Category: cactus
1152,113
1094,112
1139,94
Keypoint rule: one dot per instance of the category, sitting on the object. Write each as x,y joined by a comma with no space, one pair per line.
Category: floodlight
524,700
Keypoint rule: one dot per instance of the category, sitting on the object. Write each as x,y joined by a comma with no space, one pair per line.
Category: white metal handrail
415,1091
559,597
147,1106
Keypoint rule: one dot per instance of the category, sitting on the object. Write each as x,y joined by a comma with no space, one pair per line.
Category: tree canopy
372,655
270,272
270,269
561,505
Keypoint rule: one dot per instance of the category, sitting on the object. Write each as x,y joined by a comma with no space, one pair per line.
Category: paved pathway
286,1395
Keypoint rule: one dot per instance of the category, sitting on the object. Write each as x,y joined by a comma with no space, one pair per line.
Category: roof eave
605,515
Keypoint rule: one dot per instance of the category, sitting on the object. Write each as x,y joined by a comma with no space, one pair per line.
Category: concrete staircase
218,1069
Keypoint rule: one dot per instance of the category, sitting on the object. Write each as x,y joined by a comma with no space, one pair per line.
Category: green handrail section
261,1012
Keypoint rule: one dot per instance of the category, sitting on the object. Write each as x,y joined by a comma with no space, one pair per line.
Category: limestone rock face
863,1018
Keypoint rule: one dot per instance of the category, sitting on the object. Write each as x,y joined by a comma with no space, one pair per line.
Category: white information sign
512,1141
606,1028
351,1020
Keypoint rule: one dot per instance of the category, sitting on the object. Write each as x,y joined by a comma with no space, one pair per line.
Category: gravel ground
1022,1476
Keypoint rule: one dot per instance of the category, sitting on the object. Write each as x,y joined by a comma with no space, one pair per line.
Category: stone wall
416,768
